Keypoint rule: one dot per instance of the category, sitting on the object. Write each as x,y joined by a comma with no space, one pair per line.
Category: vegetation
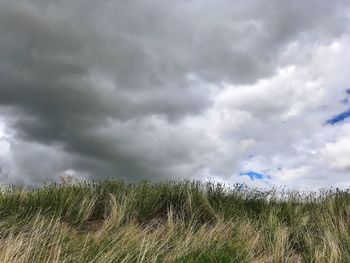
172,222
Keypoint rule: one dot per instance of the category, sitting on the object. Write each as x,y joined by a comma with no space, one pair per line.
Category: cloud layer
175,89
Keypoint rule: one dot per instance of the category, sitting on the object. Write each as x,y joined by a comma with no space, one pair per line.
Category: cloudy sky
234,91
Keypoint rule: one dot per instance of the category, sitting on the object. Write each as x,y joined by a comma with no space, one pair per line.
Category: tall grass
172,222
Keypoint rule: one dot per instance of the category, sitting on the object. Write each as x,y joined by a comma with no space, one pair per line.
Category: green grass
178,222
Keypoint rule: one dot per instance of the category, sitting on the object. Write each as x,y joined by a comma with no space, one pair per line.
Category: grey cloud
70,68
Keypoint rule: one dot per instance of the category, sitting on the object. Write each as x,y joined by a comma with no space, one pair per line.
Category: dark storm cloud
90,76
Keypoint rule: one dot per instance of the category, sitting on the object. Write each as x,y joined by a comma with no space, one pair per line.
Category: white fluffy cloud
336,154
281,122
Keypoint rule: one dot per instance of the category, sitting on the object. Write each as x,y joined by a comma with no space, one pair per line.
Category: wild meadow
112,221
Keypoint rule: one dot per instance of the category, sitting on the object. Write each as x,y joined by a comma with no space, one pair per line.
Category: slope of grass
172,222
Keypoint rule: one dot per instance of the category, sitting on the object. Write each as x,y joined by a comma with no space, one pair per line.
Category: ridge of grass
186,221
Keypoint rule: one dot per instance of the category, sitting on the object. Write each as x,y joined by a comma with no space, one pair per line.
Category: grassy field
171,222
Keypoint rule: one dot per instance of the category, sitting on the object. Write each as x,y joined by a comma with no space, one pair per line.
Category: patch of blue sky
339,118
254,175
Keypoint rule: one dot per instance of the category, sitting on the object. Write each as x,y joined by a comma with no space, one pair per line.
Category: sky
254,92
